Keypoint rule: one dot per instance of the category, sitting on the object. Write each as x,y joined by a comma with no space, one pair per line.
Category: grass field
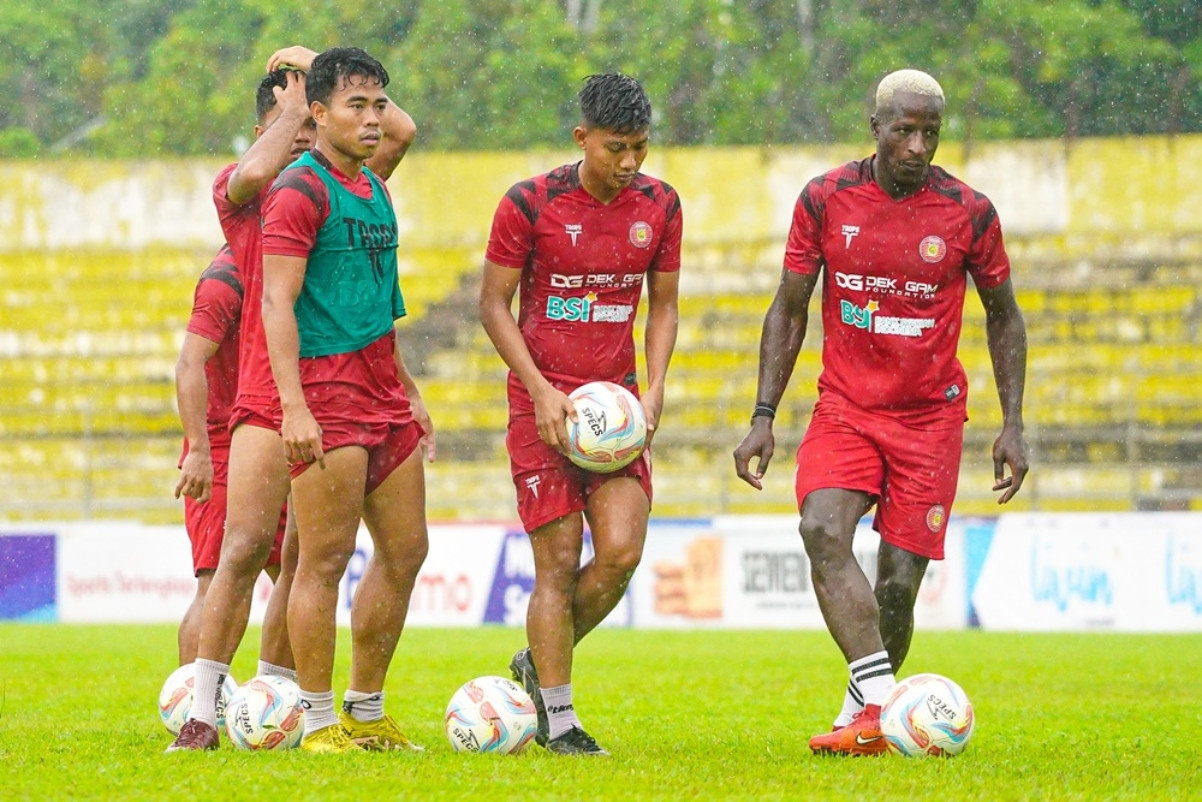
687,715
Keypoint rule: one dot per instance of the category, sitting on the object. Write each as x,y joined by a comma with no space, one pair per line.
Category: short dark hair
615,102
339,63
265,96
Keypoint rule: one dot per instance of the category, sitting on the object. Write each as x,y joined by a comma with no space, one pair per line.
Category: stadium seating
88,427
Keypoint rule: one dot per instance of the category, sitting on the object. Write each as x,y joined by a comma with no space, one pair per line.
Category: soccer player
353,423
895,239
580,241
258,470
206,381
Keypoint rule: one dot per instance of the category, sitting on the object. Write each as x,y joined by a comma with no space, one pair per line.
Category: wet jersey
583,263
894,282
347,233
216,311
243,231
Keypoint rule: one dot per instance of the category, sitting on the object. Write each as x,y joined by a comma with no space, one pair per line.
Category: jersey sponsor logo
935,517
573,230
932,249
849,232
586,309
865,317
564,281
640,234
884,284
952,393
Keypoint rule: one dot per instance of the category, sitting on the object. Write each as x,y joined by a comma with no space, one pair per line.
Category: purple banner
27,578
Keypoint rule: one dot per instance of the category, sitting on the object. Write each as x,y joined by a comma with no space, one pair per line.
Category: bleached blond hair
912,81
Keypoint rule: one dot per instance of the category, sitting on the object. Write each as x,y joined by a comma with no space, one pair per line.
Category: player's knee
244,554
823,540
621,560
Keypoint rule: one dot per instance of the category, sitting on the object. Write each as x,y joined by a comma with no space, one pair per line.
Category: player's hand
422,416
1009,451
653,406
302,437
196,476
759,444
294,56
552,410
292,93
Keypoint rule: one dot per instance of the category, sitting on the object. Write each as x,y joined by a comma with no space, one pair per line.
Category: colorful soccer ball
266,713
491,714
927,714
175,698
610,431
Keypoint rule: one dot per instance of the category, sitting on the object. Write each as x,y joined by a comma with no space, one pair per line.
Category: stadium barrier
1128,572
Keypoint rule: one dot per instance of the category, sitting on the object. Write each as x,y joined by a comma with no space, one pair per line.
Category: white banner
1104,571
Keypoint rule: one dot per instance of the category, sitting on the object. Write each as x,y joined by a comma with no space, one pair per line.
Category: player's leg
328,504
899,575
395,514
617,514
257,487
205,525
845,596
849,608
189,625
550,630
924,468
275,651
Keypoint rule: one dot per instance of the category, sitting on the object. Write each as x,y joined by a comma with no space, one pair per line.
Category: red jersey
216,310
242,228
582,264
893,287
363,383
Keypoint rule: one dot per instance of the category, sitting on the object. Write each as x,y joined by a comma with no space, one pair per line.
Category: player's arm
1007,335
283,277
416,404
659,340
780,342
551,407
271,152
192,397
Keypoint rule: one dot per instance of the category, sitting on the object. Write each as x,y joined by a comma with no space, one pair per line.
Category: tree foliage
176,77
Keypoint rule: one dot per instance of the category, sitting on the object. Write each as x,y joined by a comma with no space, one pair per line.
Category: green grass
687,715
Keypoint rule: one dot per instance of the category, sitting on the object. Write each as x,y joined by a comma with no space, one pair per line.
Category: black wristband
764,411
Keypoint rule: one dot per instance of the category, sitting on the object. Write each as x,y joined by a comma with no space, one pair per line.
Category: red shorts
910,471
549,485
205,524
260,412
387,444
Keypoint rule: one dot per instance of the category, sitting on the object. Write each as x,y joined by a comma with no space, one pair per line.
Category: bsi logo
570,309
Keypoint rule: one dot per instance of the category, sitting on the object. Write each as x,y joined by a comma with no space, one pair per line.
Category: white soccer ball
491,714
175,698
611,430
266,713
927,714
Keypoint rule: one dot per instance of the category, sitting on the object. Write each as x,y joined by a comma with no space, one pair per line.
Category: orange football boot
861,737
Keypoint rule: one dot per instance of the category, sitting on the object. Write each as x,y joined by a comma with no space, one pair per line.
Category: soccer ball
610,431
266,713
927,714
175,698
491,714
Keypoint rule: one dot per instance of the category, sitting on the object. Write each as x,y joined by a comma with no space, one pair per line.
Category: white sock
561,714
319,710
873,675
270,670
363,706
853,702
205,689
